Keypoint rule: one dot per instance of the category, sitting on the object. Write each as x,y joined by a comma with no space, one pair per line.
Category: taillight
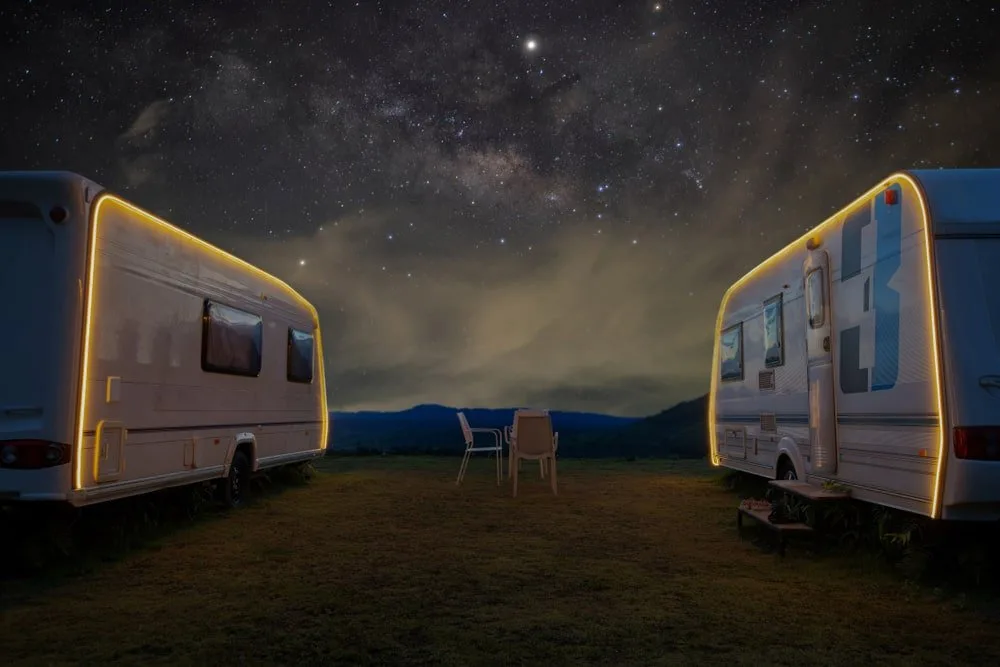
26,454
980,443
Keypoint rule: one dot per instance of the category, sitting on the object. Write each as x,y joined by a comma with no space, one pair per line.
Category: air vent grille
768,422
765,380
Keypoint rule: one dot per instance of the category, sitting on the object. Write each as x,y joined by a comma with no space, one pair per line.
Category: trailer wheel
786,471
238,482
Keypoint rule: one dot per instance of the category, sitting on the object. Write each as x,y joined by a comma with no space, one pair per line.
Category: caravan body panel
914,300
879,431
965,213
171,354
43,240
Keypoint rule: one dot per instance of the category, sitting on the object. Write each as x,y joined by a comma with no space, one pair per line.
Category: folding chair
470,447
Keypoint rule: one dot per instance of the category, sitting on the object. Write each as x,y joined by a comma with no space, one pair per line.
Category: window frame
738,327
291,350
778,301
810,315
207,322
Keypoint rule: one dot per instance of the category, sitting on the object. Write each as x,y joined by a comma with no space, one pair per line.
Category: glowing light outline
88,320
931,302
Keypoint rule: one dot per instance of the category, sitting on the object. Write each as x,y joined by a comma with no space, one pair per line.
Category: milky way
509,203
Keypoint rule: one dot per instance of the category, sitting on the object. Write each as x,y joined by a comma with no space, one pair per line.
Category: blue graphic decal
888,248
883,299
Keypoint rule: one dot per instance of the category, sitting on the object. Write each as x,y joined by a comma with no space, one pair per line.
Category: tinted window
232,340
731,353
815,298
774,331
300,356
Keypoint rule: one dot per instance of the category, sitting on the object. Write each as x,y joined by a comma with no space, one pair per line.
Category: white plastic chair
470,447
532,438
508,436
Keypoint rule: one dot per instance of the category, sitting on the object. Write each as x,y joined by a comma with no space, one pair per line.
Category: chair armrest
494,431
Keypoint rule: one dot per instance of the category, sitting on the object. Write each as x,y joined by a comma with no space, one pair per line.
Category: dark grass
383,560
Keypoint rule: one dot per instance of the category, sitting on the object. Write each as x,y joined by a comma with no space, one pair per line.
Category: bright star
302,262
531,45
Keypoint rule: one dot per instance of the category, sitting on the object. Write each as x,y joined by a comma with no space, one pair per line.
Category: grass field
386,561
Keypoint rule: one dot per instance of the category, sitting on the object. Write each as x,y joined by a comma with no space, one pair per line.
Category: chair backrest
466,429
527,412
533,431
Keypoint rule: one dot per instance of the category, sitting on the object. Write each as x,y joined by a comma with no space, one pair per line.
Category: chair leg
552,475
515,469
461,468
499,465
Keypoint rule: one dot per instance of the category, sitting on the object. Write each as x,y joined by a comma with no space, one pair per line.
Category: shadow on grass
944,556
46,543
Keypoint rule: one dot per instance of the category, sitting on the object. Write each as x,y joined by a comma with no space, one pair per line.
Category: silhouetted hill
680,431
434,429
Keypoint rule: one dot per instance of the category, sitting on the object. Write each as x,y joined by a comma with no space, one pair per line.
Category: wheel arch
789,450
242,442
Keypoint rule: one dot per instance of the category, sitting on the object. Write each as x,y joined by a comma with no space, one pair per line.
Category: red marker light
891,197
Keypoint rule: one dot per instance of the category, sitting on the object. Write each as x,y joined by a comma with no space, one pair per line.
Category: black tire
786,471
237,484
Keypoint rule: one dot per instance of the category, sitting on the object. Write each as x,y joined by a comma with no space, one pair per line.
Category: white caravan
867,352
135,356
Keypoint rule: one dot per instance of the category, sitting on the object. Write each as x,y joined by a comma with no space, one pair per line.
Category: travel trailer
867,352
135,356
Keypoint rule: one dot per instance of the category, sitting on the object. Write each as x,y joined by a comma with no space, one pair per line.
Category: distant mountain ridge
678,432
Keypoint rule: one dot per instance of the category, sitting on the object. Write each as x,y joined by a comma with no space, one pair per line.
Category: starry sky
501,203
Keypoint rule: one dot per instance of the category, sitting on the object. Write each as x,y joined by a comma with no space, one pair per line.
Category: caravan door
819,351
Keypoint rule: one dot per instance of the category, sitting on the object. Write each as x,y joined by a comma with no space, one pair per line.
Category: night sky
501,203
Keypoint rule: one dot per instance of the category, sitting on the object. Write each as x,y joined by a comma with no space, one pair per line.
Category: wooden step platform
782,529
808,491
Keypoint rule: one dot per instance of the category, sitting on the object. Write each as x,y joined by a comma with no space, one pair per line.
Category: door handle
826,343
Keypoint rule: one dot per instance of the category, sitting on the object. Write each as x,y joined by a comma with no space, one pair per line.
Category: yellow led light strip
112,200
325,418
931,306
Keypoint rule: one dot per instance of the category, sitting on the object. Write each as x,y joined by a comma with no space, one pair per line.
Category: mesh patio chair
469,433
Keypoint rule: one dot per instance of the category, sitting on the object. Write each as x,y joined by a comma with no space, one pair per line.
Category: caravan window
300,356
231,340
815,298
774,332
731,353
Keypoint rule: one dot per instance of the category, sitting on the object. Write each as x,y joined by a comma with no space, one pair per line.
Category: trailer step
809,491
762,517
